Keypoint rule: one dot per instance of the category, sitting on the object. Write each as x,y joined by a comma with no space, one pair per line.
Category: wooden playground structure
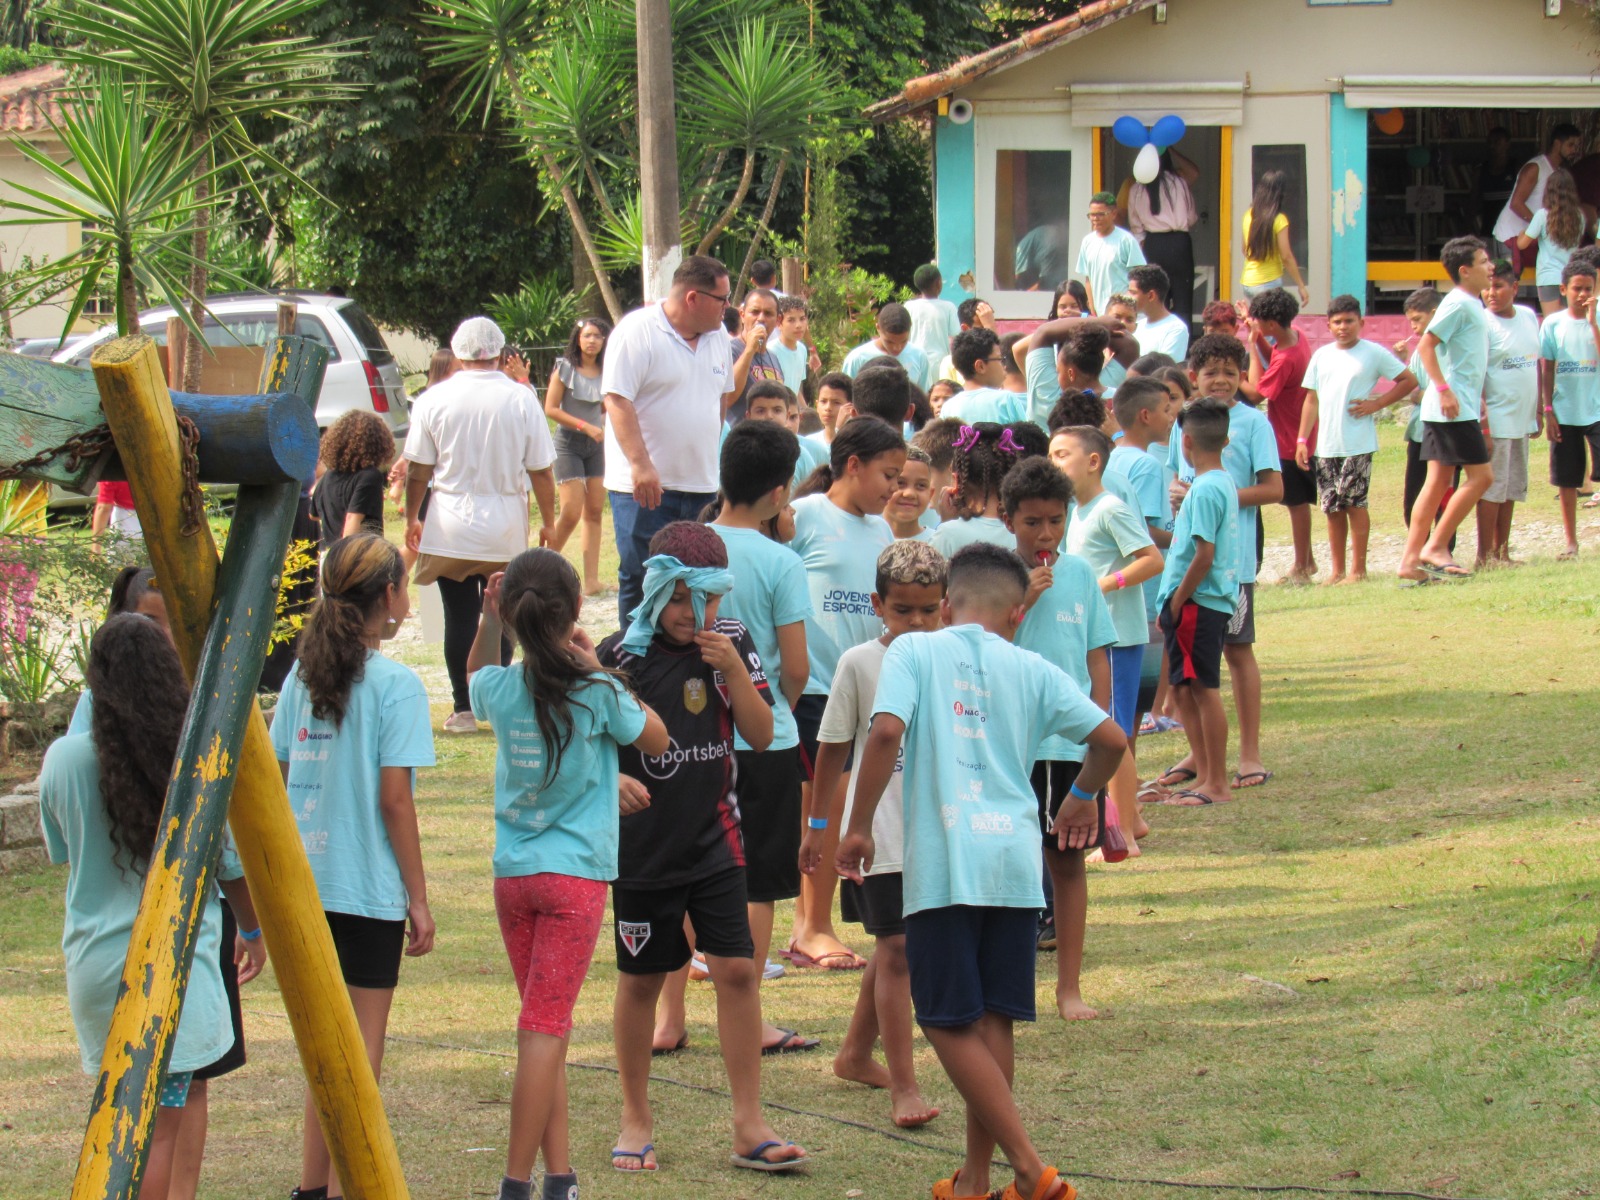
70,427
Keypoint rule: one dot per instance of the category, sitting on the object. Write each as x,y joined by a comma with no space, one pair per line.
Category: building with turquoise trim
1022,132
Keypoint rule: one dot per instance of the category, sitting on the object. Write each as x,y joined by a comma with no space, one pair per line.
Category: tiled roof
31,99
918,93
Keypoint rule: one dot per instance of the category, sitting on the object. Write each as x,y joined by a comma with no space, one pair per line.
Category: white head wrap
476,339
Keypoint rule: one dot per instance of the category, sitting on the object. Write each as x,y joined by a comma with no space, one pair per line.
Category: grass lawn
1370,974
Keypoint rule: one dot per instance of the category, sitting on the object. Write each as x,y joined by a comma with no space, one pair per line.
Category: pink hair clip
966,439
1008,444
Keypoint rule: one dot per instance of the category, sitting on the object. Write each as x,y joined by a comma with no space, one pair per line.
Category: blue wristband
1076,793
250,935
817,822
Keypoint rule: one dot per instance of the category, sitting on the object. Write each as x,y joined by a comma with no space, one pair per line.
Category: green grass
1378,963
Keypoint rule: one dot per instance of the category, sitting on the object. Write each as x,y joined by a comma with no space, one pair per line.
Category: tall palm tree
207,66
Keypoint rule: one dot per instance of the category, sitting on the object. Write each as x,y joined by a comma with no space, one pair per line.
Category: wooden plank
41,406
341,1081
177,887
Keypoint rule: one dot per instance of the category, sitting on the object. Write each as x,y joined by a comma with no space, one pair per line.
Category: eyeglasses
1099,216
722,299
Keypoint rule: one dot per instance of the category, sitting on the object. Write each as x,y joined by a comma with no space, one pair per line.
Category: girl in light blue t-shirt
100,799
1557,228
349,731
558,717
983,454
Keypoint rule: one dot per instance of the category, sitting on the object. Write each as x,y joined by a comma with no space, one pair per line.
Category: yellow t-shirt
1269,268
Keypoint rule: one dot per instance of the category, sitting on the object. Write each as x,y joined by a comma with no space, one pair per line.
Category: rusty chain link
82,446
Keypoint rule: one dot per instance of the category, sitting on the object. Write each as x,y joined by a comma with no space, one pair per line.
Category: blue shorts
967,961
1127,662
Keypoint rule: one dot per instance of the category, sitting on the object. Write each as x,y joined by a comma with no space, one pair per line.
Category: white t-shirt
481,432
1341,378
1170,335
848,718
676,390
933,324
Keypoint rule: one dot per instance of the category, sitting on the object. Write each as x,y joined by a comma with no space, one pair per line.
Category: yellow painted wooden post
139,411
1230,220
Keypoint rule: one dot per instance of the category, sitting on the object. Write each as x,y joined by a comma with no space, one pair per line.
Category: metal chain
77,448
86,445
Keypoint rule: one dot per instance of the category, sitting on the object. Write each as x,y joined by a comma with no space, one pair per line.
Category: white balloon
1148,165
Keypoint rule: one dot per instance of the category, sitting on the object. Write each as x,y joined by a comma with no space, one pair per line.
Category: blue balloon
1130,131
1168,131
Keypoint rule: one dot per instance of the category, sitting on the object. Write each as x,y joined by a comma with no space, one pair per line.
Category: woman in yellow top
1268,256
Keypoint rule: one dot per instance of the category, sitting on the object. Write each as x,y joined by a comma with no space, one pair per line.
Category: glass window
1032,208
1291,160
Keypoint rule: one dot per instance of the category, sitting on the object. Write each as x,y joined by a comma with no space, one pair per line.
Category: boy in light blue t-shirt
1569,344
1199,589
1068,624
972,868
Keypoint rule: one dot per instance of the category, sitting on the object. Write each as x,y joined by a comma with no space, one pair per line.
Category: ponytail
356,576
539,599
863,438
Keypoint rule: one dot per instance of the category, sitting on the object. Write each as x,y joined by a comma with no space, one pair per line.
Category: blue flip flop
649,1148
754,1162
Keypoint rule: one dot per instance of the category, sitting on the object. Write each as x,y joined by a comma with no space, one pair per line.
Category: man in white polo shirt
669,375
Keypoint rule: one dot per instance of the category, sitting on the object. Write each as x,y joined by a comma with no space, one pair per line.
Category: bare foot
1072,1008
856,1069
746,1137
1355,577
594,588
667,1040
1569,553
1099,856
1331,580
1142,831
630,1141
911,1110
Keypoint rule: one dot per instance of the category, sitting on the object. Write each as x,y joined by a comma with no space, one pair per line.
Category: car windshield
366,333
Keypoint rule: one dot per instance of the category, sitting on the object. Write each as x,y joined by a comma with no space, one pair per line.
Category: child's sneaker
461,722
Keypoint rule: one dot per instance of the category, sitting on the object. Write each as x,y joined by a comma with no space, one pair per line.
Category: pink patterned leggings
549,924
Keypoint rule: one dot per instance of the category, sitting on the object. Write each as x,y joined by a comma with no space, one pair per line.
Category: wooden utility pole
658,147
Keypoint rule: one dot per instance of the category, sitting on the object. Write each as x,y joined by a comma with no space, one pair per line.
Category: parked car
362,373
48,347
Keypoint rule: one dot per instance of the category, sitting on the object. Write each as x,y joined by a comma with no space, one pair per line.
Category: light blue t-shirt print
769,591
1064,624
1209,512
840,552
333,782
1568,342
565,825
1252,448
971,820
1147,483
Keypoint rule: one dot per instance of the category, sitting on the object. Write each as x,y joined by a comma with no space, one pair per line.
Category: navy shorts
808,712
966,961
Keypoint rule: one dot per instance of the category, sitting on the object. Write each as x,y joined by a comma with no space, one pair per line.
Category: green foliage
541,313
844,297
417,219
128,183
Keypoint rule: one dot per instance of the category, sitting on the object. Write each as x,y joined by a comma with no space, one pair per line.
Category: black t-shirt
691,829
341,492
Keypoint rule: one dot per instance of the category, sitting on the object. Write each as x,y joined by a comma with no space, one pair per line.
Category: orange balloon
1390,121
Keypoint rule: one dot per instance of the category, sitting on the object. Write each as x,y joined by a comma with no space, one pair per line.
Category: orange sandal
945,1189
1047,1181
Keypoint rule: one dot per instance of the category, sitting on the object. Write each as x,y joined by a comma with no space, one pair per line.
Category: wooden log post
135,401
177,883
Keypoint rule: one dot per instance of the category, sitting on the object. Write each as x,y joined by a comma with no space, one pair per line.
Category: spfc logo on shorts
694,695
633,936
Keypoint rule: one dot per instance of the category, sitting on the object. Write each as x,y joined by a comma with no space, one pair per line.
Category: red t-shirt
1285,397
119,494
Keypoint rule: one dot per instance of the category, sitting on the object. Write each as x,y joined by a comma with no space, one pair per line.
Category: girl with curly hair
983,454
349,495
350,729
100,799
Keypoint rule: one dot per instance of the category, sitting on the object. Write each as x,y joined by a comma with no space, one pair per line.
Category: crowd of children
818,691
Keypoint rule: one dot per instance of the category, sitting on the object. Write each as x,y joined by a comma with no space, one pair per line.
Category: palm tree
207,66
130,182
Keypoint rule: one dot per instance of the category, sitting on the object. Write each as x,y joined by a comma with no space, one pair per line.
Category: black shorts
808,712
649,923
1458,443
767,785
877,904
1194,644
1051,780
1567,456
234,1058
369,949
967,961
1242,625
1299,486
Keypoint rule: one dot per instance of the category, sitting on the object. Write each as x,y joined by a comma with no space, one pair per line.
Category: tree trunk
127,298
658,148
198,274
766,219
726,216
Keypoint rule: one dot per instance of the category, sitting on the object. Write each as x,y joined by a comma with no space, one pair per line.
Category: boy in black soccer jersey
682,854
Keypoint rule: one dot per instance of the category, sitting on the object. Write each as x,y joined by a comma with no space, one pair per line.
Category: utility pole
658,147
